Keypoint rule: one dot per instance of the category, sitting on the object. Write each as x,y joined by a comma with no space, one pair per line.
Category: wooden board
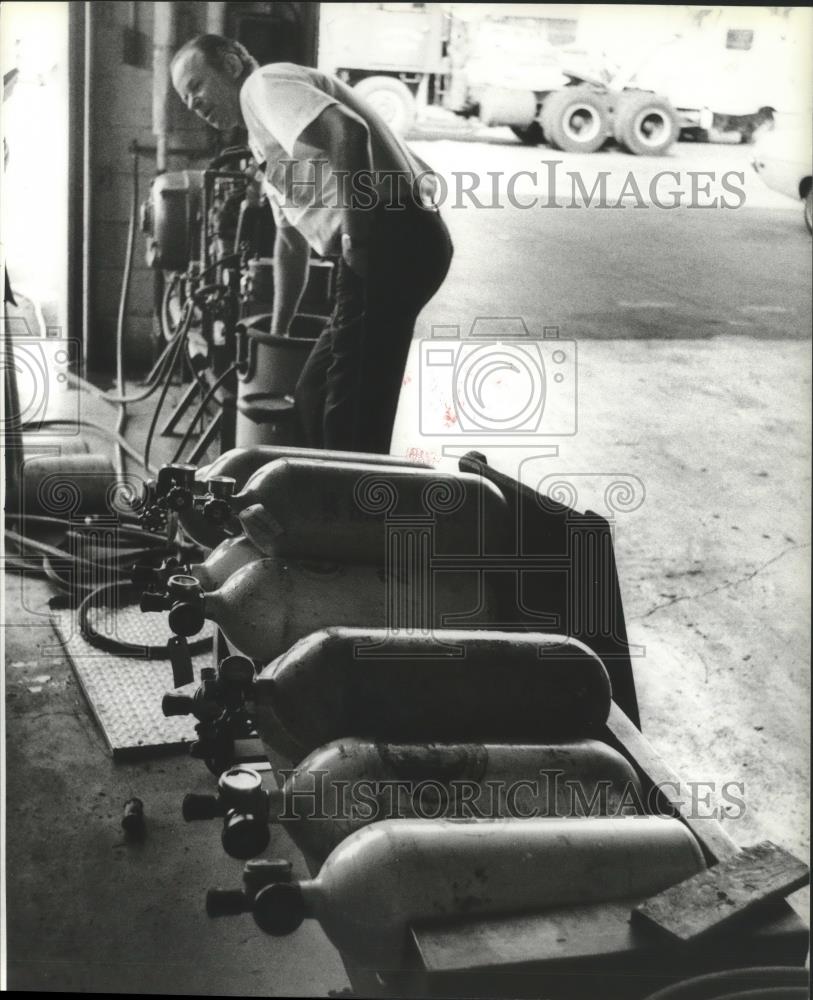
561,934
595,936
721,895
716,843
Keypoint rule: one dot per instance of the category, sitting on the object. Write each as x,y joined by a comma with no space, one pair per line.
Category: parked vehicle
783,158
557,73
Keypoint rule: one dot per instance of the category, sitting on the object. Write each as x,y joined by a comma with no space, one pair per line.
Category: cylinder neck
183,587
202,575
312,896
276,804
214,605
260,527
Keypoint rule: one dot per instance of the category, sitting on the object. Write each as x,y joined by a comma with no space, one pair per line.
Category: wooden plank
716,843
584,934
565,933
721,895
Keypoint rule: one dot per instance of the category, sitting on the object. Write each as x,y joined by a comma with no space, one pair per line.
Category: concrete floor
694,381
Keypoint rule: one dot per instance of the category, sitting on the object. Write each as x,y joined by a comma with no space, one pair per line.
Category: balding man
342,184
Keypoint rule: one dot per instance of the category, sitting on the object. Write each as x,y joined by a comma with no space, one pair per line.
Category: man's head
208,72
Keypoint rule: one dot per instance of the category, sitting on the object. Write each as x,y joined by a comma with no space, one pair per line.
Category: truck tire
529,135
645,124
576,119
809,210
392,100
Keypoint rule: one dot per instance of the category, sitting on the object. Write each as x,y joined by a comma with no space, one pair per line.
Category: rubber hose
123,442
185,326
133,530
118,646
202,406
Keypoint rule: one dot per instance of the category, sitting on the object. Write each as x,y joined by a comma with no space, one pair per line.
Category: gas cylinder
225,559
267,605
241,463
450,685
397,872
229,556
361,512
351,783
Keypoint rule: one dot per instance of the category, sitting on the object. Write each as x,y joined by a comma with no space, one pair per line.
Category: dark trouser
347,394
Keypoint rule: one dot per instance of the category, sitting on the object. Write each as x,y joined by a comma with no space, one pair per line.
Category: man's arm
291,256
344,138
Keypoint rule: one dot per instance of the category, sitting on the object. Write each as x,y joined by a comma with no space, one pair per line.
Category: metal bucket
265,408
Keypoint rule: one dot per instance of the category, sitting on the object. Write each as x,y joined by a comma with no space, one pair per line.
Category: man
342,184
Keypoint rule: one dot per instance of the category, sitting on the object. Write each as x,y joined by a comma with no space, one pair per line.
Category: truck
558,73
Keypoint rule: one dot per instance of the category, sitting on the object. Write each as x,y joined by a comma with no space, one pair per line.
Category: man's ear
232,66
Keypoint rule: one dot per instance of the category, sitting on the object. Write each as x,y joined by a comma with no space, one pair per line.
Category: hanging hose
173,287
125,292
152,382
183,332
219,263
68,582
93,425
200,410
132,528
186,323
51,550
75,561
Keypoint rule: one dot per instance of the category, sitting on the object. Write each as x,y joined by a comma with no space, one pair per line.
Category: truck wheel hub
581,123
652,127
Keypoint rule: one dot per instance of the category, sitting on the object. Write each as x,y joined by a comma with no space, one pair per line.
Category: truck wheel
529,135
392,100
645,124
576,119
809,210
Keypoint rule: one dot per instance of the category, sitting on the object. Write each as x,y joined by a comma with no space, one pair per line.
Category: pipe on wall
78,181
164,31
216,18
87,188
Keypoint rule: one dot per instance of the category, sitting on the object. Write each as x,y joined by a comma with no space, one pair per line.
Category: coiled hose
79,569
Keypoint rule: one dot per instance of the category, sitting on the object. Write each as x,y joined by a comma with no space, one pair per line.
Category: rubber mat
124,692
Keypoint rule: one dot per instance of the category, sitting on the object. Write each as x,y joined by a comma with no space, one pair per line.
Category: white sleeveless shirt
278,102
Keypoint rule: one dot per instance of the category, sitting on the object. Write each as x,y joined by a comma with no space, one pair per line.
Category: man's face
211,93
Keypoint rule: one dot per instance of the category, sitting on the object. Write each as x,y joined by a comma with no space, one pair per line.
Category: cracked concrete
675,599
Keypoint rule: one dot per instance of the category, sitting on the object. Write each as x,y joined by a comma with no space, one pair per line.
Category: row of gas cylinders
299,542
464,787
425,773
